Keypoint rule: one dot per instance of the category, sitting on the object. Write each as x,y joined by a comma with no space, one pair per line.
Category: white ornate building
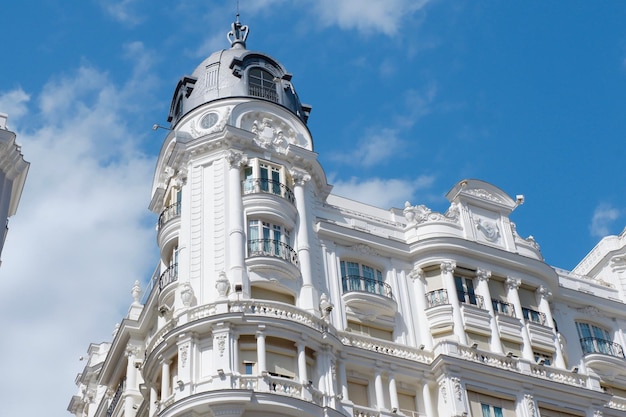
13,171
274,297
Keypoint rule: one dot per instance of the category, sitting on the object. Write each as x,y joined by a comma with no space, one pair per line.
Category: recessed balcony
534,316
267,186
368,295
169,213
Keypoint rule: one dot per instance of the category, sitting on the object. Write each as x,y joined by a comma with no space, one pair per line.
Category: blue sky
408,97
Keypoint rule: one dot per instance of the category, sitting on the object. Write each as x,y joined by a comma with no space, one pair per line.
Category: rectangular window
487,406
357,393
465,290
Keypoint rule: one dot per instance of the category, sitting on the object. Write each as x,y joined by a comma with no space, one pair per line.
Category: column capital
448,266
416,273
544,292
236,159
513,283
299,176
483,274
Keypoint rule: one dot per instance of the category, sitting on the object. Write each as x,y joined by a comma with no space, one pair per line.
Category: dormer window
261,84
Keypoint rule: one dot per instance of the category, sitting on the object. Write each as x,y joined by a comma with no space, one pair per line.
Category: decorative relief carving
272,134
221,344
530,405
416,273
186,294
222,285
513,283
483,274
448,266
236,159
421,214
444,393
364,249
210,122
590,311
483,194
300,177
544,292
183,353
458,390
488,228
136,293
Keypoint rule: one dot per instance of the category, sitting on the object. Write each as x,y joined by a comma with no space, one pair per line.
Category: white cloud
367,15
603,215
15,104
81,236
122,11
384,193
417,104
376,147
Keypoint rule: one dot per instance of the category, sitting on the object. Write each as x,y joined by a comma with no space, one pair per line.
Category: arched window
359,277
261,84
594,339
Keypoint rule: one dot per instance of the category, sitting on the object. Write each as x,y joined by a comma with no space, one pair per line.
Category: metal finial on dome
238,34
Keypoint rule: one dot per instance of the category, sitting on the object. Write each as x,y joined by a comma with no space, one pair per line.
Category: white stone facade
13,171
275,297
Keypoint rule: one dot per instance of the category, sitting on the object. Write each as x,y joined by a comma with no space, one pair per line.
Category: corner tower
233,181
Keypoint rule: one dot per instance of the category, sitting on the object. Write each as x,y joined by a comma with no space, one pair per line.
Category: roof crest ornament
238,34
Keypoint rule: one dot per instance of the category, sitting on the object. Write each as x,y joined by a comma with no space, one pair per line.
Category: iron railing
168,276
534,316
116,397
168,214
606,347
504,308
471,298
263,92
274,248
370,285
264,185
437,298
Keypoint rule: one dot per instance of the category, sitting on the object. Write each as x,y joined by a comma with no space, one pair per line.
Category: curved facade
275,297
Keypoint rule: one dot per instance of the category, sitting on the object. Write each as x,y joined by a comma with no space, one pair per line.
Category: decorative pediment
271,131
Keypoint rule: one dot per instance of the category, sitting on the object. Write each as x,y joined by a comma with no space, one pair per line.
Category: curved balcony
604,357
267,186
436,298
170,212
168,276
272,248
368,296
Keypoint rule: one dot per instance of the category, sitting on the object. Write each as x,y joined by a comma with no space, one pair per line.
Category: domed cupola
236,72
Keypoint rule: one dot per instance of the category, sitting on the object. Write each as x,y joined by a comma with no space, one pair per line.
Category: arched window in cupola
261,84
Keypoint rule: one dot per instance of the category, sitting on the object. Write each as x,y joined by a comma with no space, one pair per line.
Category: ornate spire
238,34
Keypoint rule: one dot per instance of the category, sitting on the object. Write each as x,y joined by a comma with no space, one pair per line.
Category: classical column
393,392
131,381
543,300
378,388
343,378
165,380
483,276
237,234
419,287
260,350
512,285
304,378
153,401
308,294
235,355
447,272
428,401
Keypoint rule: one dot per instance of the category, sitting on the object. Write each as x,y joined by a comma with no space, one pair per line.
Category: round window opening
209,120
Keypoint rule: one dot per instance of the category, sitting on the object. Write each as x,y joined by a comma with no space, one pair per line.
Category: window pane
497,412
486,410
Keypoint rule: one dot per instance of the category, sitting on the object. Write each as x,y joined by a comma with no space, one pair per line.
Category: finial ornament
238,34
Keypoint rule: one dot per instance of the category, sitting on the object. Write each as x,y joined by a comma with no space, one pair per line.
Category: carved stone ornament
488,228
544,292
236,159
458,390
300,177
269,134
210,122
483,194
483,274
512,283
222,285
448,266
221,344
590,311
136,292
186,294
364,249
419,214
444,393
416,273
530,405
183,353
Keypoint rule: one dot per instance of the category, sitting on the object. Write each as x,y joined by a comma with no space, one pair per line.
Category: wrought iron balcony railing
168,214
274,248
263,92
168,276
504,308
264,185
471,298
437,298
116,397
534,316
370,285
595,345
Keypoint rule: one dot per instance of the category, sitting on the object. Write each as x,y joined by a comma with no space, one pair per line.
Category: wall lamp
158,126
